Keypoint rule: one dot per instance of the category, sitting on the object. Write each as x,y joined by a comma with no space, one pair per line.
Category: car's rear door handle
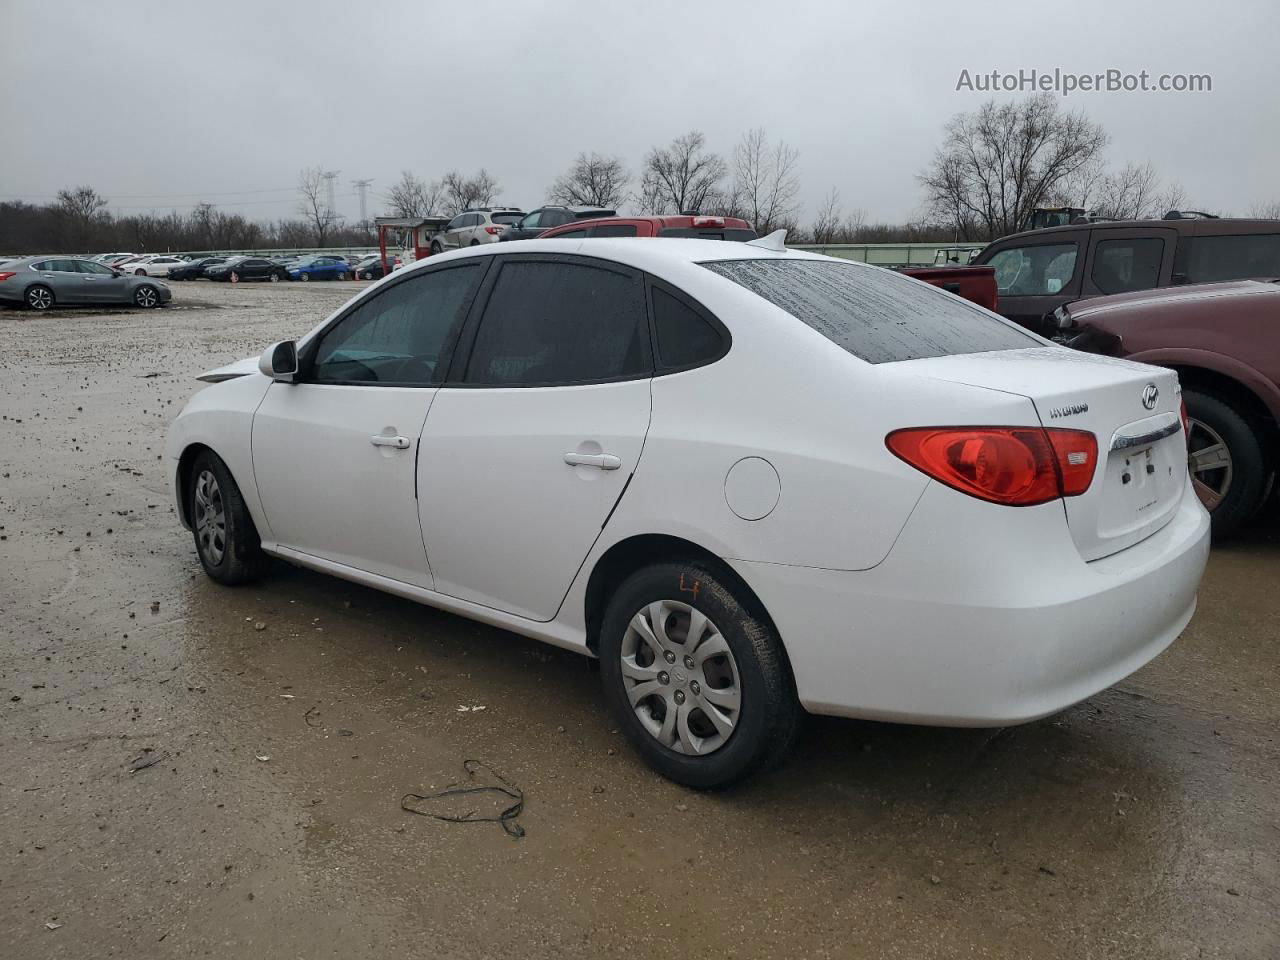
605,461
379,440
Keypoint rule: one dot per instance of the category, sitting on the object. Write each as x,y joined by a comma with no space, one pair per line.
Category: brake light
492,229
1182,403
1014,466
708,221
5,275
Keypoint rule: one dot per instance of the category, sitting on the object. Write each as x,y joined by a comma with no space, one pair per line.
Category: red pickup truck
973,283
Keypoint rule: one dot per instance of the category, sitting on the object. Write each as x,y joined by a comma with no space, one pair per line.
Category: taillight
492,229
1182,403
5,275
1014,466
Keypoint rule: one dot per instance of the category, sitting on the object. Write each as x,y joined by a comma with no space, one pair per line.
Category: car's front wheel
146,297
226,539
697,679
304,277
275,277
39,297
436,247
1226,459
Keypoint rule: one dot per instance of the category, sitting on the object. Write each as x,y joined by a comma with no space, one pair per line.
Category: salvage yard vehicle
751,481
194,269
1224,343
705,228
156,265
319,268
247,268
538,222
476,226
1039,270
44,282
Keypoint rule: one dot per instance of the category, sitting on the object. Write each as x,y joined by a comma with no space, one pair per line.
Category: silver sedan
42,282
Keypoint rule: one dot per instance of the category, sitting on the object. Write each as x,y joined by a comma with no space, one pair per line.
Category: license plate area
1142,485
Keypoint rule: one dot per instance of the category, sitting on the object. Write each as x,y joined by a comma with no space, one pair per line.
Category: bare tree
82,209
461,192
998,164
680,177
827,223
411,197
1135,193
313,204
1266,211
765,180
592,181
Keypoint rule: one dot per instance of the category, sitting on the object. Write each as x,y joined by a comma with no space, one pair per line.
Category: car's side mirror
280,361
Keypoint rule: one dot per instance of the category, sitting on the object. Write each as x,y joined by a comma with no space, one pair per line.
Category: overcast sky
163,104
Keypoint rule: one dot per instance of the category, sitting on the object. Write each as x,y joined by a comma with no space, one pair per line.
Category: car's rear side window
685,339
875,314
1237,257
614,230
551,322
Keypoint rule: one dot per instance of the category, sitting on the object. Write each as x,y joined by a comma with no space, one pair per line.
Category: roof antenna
774,241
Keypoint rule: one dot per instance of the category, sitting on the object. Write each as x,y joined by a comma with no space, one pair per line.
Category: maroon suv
1223,339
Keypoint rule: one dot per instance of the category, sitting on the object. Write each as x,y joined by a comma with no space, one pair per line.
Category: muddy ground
1142,823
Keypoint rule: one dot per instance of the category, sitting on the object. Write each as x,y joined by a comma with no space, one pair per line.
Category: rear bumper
964,624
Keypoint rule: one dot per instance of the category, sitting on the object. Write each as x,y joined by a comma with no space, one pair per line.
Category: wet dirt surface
1141,823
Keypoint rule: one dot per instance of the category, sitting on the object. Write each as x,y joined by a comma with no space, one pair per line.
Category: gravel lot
1142,823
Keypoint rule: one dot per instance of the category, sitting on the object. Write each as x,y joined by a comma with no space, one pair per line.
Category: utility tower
362,188
330,176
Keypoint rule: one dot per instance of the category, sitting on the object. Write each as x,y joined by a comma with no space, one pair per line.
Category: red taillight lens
5,275
1182,405
492,229
1015,466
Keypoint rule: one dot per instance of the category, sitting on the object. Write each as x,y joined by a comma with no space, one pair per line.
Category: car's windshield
874,313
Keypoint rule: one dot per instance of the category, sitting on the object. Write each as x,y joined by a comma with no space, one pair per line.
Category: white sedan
156,265
754,482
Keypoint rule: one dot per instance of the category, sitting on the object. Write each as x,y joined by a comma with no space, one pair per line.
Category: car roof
1200,226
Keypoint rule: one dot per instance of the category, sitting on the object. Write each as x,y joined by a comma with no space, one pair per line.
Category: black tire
304,277
38,297
474,243
240,559
769,717
342,274
435,247
139,273
367,275
1247,482
276,277
146,297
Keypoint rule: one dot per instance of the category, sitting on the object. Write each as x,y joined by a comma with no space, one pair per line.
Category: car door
334,453
63,277
1034,278
102,284
526,452
453,231
530,226
1121,261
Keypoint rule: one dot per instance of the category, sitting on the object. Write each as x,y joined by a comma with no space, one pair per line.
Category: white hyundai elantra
754,482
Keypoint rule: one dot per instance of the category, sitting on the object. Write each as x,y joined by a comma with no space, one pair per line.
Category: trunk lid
1134,411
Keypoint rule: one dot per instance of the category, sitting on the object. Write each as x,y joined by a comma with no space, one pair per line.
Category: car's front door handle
379,440
605,461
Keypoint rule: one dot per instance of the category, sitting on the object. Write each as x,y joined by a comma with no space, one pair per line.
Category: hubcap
40,298
210,518
1210,463
146,297
688,709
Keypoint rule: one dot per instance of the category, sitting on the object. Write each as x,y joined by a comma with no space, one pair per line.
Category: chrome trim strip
1127,441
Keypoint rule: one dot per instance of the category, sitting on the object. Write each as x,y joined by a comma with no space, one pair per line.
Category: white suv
472,227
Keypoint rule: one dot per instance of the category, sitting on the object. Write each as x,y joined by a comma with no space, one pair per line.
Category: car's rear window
874,313
709,233
507,217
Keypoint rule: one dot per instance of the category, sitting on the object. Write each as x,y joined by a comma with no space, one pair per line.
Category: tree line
994,167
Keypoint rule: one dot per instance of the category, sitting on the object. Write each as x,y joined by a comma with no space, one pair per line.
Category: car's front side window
1035,271
399,335
555,322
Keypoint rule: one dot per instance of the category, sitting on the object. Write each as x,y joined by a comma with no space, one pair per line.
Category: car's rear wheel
367,275
696,678
474,243
435,247
1225,456
39,297
226,539
234,277
146,297
342,274
304,277
275,278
